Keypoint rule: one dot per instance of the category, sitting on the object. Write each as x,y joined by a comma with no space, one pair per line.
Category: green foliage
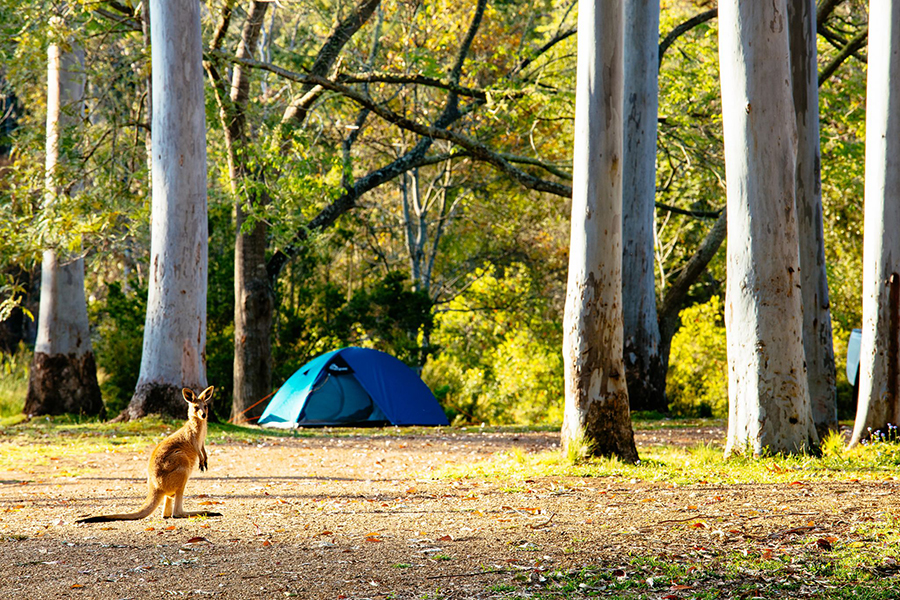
486,322
118,332
220,304
14,381
842,120
500,360
697,383
690,160
321,315
840,337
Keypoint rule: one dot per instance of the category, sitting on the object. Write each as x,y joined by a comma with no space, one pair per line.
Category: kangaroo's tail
150,504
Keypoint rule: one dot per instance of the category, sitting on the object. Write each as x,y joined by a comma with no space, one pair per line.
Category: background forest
457,265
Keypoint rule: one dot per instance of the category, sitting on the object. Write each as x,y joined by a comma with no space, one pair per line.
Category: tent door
340,399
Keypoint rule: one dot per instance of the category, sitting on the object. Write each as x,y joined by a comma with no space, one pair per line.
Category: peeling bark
646,389
173,353
597,419
63,375
878,368
817,339
63,383
155,398
769,408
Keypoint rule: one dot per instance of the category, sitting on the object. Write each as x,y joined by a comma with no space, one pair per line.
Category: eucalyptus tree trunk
817,340
879,363
768,395
597,419
254,298
63,375
175,332
646,381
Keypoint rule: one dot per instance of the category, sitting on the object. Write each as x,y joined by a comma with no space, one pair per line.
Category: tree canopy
411,163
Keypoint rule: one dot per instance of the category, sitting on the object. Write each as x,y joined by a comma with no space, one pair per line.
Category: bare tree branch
849,50
475,148
342,33
824,10
683,28
222,25
417,79
677,292
700,214
542,50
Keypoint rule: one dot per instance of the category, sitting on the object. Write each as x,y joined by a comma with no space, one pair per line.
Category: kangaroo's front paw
203,466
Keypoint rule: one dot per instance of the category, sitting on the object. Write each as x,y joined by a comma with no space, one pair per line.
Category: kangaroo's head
198,406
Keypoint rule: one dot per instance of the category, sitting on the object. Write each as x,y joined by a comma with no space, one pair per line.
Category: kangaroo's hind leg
179,512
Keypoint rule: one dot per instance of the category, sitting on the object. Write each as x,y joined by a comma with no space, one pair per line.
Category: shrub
499,360
697,382
118,337
14,380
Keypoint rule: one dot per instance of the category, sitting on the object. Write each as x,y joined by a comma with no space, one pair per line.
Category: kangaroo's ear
206,395
188,394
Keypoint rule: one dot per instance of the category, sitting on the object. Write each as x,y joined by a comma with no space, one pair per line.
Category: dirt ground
361,517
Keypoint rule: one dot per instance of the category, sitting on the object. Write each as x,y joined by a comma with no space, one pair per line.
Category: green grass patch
711,575
698,463
13,384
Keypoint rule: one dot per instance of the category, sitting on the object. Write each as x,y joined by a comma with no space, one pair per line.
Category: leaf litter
363,517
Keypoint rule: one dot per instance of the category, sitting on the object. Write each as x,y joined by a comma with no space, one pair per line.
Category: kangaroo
171,464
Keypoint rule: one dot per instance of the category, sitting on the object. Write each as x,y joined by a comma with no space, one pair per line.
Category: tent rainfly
353,386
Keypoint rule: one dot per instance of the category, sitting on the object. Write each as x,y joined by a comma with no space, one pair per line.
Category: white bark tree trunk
646,387
817,339
63,376
175,332
879,361
769,407
597,419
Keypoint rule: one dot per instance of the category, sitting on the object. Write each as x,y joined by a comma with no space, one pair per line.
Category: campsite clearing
440,514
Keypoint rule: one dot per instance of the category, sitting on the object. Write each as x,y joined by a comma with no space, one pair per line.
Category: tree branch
824,10
849,50
131,23
540,51
700,214
677,292
222,25
417,79
680,30
475,148
342,33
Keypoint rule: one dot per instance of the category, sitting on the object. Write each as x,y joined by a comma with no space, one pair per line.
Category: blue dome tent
353,386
